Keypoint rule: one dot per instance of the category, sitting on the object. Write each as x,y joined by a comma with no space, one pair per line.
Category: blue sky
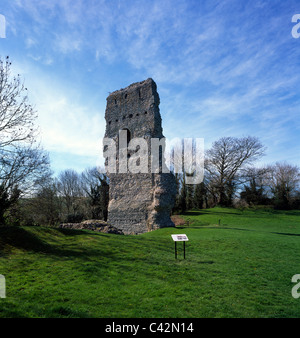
223,68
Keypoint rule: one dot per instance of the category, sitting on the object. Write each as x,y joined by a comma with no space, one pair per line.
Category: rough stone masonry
138,202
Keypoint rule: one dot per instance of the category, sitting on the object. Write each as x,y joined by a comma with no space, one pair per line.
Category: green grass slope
240,268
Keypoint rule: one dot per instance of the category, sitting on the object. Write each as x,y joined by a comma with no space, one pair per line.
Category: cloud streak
221,67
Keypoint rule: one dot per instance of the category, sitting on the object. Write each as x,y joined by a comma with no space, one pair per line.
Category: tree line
69,198
232,180
30,194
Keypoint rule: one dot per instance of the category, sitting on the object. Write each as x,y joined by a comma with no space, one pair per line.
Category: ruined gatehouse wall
138,202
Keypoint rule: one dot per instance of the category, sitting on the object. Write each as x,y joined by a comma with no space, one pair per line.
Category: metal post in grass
180,238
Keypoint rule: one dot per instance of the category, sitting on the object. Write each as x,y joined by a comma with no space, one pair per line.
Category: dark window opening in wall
160,158
137,114
124,117
128,135
117,120
146,113
115,101
125,96
130,116
109,122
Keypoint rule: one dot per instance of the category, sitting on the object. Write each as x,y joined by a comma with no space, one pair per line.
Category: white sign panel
180,238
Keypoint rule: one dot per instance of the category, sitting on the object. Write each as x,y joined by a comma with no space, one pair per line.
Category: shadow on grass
239,229
69,232
197,226
233,212
285,233
194,213
19,238
11,311
271,232
16,237
213,213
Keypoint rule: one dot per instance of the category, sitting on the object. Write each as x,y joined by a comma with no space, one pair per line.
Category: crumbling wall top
135,108
138,90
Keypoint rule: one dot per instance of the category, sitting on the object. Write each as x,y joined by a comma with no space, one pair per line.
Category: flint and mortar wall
138,202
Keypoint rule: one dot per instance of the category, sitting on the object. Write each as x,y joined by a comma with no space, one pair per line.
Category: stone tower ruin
141,201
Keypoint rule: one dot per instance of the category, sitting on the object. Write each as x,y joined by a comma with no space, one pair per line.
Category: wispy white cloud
67,43
69,127
221,67
66,124
30,42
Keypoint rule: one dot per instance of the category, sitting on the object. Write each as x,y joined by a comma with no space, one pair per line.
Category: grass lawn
240,268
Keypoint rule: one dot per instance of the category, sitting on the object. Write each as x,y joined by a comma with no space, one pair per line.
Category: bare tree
44,207
21,161
47,204
22,167
70,189
17,116
186,162
225,160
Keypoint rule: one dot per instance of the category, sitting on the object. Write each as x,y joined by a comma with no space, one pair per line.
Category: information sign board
180,238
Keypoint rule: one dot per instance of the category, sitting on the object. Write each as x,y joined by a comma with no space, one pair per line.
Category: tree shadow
194,213
213,213
194,227
72,232
285,233
19,238
16,237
